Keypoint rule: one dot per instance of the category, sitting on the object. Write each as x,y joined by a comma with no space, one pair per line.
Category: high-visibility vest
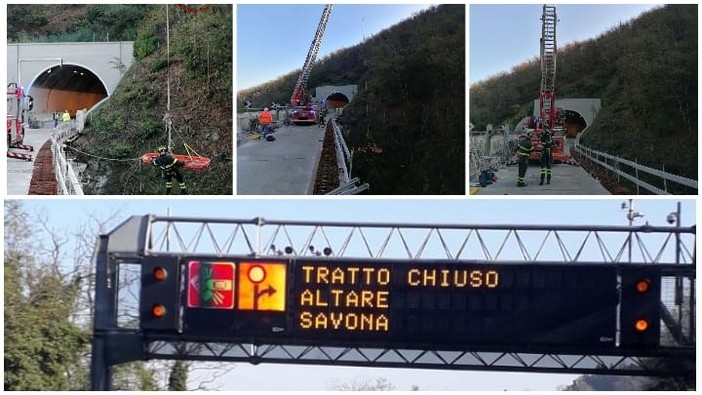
265,118
66,117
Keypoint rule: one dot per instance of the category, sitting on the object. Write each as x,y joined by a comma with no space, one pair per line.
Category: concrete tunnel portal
335,96
336,100
574,121
66,87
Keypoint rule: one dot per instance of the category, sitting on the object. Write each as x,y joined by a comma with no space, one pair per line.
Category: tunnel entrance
66,87
574,123
336,100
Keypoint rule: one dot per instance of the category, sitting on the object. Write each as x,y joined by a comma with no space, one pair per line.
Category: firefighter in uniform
170,168
547,145
322,115
524,149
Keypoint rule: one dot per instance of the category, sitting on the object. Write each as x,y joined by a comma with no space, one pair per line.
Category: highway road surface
286,166
566,180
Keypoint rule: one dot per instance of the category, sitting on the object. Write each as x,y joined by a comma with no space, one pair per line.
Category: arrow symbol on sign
270,291
195,282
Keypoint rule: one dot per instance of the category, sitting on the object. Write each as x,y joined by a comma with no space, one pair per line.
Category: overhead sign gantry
302,292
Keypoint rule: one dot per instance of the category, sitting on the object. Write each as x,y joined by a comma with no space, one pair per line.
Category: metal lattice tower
301,84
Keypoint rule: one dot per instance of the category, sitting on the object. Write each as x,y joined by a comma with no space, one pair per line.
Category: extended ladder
301,84
548,63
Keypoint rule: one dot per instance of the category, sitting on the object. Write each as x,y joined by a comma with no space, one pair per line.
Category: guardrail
343,155
344,161
632,171
66,178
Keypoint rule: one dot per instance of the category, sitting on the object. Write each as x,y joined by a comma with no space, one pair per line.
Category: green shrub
149,128
119,150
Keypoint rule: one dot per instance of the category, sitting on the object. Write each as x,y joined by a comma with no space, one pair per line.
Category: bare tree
380,384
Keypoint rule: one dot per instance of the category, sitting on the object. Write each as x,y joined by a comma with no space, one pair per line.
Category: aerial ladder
302,111
548,112
17,108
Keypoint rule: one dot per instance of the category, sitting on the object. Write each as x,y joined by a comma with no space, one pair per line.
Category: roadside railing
344,161
643,177
66,178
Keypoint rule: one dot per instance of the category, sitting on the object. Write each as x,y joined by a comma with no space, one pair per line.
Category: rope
190,150
167,117
100,157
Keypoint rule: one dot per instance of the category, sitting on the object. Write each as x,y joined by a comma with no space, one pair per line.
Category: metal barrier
616,165
500,153
66,178
344,161
343,155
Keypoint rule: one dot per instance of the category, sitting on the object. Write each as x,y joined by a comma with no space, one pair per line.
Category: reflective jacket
265,118
547,142
166,162
524,147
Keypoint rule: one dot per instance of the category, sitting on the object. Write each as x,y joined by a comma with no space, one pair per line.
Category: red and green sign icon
211,285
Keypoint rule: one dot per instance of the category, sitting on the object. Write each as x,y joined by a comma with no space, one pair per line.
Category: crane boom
548,63
301,85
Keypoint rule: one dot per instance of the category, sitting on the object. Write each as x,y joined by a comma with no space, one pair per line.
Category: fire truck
18,106
302,110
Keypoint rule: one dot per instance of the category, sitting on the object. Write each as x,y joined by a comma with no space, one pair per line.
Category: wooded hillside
410,102
645,72
131,123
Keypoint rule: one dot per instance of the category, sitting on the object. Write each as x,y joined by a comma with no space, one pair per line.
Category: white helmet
265,109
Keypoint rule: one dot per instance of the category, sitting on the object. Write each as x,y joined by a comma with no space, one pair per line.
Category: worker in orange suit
265,119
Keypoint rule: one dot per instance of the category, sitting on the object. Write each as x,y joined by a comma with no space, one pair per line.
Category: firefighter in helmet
524,149
170,168
547,145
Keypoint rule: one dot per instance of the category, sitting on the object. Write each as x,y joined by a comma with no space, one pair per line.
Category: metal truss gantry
670,247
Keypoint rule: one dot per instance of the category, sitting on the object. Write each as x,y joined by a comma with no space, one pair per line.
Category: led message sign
455,303
438,302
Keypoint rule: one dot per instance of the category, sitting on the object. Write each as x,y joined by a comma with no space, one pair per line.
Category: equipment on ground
549,114
17,109
302,111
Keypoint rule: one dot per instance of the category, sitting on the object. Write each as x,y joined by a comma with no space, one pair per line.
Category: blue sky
67,215
503,36
273,40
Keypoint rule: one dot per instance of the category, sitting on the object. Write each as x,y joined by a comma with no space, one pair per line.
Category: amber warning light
642,286
158,310
160,274
641,325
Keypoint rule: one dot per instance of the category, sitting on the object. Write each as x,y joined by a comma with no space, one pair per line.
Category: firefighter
322,115
170,168
524,149
265,119
66,117
547,145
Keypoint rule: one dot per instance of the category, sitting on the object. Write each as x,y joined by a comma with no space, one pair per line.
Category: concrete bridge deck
286,166
566,180
19,172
